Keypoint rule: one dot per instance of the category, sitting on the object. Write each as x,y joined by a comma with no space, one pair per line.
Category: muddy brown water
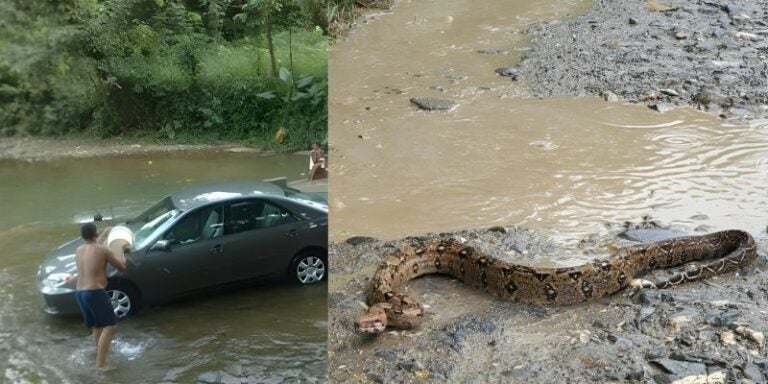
566,165
274,333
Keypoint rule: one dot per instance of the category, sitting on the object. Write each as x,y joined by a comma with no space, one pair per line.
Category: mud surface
707,54
704,332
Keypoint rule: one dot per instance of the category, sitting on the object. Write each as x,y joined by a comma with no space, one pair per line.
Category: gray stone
719,318
208,378
739,112
662,107
507,72
357,240
680,368
752,372
493,51
432,104
610,96
670,92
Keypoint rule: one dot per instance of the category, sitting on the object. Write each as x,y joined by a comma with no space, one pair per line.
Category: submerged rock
432,104
493,51
507,72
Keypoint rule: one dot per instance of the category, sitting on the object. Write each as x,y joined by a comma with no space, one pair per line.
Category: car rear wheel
124,298
309,268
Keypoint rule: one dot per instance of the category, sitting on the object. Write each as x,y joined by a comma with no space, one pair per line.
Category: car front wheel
124,299
309,268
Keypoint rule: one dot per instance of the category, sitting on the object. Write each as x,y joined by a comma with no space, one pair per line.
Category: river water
273,333
569,166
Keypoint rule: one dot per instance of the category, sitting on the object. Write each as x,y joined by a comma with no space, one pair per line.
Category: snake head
373,321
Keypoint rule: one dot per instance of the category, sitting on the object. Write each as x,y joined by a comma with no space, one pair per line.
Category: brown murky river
264,334
566,165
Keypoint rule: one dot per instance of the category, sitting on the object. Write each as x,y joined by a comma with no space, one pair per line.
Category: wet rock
739,112
763,364
493,51
507,72
662,107
411,365
432,104
610,96
455,335
756,336
680,368
622,343
720,318
670,92
704,41
391,355
654,297
727,337
752,372
717,376
208,378
357,240
682,319
375,378
655,6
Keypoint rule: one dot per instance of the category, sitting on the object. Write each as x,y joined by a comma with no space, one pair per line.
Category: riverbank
344,15
703,332
45,149
709,55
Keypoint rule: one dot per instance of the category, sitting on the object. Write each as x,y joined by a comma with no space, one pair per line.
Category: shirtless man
92,258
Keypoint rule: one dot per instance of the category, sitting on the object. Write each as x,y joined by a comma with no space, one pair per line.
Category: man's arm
102,239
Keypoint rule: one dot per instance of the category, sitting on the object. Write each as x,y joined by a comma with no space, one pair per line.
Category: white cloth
120,233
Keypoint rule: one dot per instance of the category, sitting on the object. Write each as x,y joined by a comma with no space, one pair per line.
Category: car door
194,256
263,236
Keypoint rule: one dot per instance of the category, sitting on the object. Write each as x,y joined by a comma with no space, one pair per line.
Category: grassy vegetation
178,70
342,14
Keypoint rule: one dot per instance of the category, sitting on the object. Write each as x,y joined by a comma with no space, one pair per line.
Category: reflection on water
259,334
568,165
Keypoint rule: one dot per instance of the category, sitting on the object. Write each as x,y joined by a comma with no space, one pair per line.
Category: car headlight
58,279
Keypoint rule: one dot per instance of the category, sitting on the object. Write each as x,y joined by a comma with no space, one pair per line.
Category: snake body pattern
705,256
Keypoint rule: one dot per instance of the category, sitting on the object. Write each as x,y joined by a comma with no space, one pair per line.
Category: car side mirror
161,245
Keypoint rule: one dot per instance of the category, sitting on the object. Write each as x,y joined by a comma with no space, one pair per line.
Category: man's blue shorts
96,307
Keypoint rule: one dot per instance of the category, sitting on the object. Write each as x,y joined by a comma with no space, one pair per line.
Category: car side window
203,224
256,214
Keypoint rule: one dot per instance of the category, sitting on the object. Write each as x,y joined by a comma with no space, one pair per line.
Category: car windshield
147,223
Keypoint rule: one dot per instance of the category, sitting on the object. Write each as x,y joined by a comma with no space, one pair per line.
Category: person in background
316,162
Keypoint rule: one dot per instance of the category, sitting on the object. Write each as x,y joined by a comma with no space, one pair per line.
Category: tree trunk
271,47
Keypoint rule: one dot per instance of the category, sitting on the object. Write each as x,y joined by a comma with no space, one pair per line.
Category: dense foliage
184,70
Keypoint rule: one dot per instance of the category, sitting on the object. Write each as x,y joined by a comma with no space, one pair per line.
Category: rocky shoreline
707,54
704,332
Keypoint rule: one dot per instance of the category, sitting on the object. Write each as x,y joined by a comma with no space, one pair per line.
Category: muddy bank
711,331
709,55
43,149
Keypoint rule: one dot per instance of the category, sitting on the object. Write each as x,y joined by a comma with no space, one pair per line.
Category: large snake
714,254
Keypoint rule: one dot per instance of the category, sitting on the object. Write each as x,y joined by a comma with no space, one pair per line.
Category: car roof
193,197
